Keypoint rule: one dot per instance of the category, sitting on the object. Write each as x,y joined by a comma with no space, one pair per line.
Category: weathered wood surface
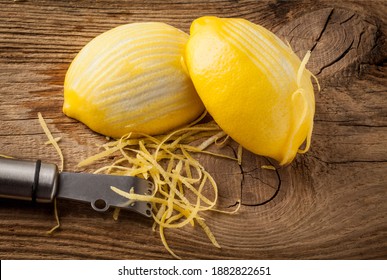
332,202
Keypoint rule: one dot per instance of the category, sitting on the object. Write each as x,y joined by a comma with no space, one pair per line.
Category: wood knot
338,38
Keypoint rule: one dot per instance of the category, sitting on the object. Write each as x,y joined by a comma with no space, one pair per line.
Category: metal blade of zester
95,188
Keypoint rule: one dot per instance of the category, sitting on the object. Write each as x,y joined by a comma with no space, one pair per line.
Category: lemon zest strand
5,156
269,167
51,139
57,226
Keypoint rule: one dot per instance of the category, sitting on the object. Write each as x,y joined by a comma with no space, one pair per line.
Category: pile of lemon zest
51,139
179,179
269,167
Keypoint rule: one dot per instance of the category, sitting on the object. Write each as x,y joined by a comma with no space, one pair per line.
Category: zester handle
28,180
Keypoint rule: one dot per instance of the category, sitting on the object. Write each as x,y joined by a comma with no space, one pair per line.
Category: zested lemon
253,85
131,79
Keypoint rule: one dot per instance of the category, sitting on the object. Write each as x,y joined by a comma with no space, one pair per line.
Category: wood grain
332,201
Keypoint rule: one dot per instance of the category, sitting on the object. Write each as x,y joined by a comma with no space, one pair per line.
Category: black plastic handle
28,180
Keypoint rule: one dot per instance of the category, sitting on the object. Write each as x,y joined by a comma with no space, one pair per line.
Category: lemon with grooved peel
131,79
253,85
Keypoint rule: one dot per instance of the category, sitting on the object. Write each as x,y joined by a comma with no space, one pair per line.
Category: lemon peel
253,85
130,79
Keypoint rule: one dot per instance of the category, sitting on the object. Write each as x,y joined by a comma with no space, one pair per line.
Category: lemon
253,85
131,79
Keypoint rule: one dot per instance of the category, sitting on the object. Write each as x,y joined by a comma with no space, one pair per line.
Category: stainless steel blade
95,188
40,182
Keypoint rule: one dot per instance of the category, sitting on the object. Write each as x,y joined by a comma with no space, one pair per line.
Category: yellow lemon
253,85
131,79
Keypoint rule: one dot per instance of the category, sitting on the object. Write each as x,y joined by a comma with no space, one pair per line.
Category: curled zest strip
51,140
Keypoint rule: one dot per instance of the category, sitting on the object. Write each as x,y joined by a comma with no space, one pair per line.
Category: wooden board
332,201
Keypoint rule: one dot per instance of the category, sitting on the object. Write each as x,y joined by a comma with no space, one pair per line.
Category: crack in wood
340,39
348,19
337,59
260,180
276,188
323,30
244,173
22,134
272,197
347,161
350,122
241,173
